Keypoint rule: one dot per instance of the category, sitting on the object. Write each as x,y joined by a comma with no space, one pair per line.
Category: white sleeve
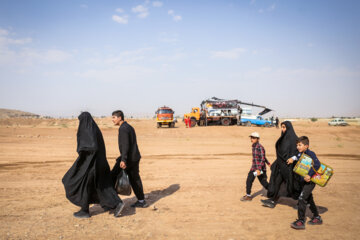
294,158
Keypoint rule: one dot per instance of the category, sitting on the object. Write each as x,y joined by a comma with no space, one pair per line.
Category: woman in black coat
281,172
88,180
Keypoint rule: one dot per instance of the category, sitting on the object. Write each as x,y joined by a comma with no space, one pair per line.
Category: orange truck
216,111
165,116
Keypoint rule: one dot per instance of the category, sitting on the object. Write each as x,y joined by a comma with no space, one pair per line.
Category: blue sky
300,58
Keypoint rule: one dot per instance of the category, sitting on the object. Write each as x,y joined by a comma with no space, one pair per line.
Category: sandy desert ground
193,179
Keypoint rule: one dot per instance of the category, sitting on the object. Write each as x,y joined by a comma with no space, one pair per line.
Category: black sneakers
140,204
315,221
118,209
82,214
268,203
298,224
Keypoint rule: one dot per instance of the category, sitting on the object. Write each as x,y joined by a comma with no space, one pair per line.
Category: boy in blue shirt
306,196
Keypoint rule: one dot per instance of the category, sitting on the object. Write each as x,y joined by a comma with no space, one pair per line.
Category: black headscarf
86,134
88,180
286,144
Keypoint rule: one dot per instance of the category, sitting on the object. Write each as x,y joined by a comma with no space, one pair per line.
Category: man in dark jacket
129,157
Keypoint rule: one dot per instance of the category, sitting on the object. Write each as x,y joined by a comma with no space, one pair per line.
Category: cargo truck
165,116
215,111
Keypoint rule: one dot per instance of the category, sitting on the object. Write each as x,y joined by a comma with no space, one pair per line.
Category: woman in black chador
281,171
88,180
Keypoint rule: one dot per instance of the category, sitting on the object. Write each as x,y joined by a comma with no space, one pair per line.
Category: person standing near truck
238,116
277,122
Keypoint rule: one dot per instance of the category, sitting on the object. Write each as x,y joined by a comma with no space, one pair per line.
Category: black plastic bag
122,184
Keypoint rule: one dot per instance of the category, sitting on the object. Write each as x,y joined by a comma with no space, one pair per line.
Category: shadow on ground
150,198
290,202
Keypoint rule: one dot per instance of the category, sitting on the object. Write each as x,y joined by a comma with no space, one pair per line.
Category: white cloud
121,73
230,54
4,32
121,20
157,4
171,58
84,6
168,38
269,9
272,7
5,41
19,41
119,10
142,11
32,57
175,17
14,53
126,57
143,15
53,56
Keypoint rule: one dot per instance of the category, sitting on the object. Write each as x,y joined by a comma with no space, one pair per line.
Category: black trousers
135,181
306,197
250,179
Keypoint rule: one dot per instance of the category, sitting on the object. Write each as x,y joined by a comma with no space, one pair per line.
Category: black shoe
268,203
140,204
118,209
315,221
298,224
82,214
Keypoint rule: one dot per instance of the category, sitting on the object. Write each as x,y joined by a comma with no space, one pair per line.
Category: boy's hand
258,172
290,161
307,178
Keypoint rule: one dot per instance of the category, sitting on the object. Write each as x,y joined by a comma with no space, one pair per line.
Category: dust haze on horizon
299,59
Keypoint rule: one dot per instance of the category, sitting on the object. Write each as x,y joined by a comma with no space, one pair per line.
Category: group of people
90,180
289,149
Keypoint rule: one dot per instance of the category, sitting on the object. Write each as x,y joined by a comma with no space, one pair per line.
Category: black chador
281,172
88,180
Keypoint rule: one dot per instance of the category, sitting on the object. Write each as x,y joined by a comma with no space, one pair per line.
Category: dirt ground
193,179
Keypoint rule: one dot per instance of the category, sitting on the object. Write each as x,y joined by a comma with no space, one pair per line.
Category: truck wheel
171,125
158,125
267,125
225,122
248,124
193,122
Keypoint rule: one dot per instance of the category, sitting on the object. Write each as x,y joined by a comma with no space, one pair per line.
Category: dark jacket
316,162
127,145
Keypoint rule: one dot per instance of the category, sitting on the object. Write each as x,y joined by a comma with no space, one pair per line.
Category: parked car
258,121
338,122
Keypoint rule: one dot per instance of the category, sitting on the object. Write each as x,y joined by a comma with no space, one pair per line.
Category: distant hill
9,113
